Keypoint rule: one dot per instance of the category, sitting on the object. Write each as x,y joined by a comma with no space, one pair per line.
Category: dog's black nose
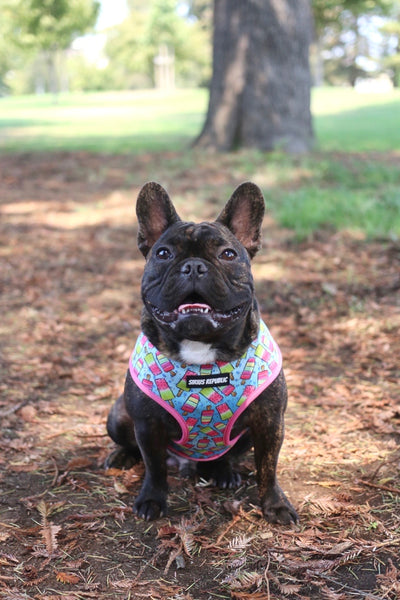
194,268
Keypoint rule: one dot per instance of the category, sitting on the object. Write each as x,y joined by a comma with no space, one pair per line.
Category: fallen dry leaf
70,578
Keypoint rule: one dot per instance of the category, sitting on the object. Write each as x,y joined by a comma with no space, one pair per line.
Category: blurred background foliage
39,51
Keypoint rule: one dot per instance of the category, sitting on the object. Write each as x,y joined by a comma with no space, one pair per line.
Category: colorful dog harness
206,400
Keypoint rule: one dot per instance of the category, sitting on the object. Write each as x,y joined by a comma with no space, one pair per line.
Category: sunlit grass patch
150,120
346,120
361,197
111,122
346,183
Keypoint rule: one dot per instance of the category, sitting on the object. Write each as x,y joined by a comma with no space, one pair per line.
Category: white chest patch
197,353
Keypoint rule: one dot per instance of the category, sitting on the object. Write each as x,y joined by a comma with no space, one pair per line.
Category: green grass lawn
350,181
108,122
344,120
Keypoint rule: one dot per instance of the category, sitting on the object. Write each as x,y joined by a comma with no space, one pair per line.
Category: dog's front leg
152,441
267,430
275,506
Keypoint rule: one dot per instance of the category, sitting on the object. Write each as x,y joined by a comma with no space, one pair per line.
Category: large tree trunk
260,89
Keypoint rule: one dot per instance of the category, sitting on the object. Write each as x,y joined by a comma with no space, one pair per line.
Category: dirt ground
70,305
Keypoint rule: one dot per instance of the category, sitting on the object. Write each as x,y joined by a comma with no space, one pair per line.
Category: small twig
379,467
221,535
349,589
92,435
14,409
386,543
174,554
386,488
56,472
266,578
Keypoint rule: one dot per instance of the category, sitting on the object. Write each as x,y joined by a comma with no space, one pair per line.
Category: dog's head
197,286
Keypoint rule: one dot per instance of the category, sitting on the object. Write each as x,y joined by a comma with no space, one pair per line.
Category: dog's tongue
196,308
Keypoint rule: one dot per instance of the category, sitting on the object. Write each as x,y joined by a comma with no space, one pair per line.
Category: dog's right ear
155,213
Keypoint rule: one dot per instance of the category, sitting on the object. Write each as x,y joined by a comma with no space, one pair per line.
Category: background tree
202,11
391,31
132,45
48,27
342,46
127,52
6,59
260,88
352,38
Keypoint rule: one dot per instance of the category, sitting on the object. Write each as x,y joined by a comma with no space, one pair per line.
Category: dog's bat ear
155,213
243,215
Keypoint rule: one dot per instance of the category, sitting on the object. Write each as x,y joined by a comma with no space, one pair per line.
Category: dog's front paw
149,509
220,474
230,480
276,508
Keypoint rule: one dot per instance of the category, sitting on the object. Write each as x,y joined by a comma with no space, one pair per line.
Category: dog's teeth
194,309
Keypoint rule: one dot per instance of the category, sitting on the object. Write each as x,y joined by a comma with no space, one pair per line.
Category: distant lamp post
164,68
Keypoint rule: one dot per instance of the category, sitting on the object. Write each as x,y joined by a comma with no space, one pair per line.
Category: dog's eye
228,254
163,254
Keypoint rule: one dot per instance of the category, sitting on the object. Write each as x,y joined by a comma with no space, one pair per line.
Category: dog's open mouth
190,309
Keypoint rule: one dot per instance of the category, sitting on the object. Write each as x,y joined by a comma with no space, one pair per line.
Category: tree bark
260,88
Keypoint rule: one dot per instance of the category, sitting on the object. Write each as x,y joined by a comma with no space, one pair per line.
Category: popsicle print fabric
206,400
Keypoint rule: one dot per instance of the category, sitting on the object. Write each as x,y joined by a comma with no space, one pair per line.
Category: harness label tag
206,381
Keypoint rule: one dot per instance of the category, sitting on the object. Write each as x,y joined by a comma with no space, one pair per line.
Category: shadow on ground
70,313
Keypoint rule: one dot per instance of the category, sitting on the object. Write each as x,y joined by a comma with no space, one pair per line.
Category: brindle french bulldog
205,379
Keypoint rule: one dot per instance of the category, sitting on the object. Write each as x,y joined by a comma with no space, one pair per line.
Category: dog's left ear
243,215
155,213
